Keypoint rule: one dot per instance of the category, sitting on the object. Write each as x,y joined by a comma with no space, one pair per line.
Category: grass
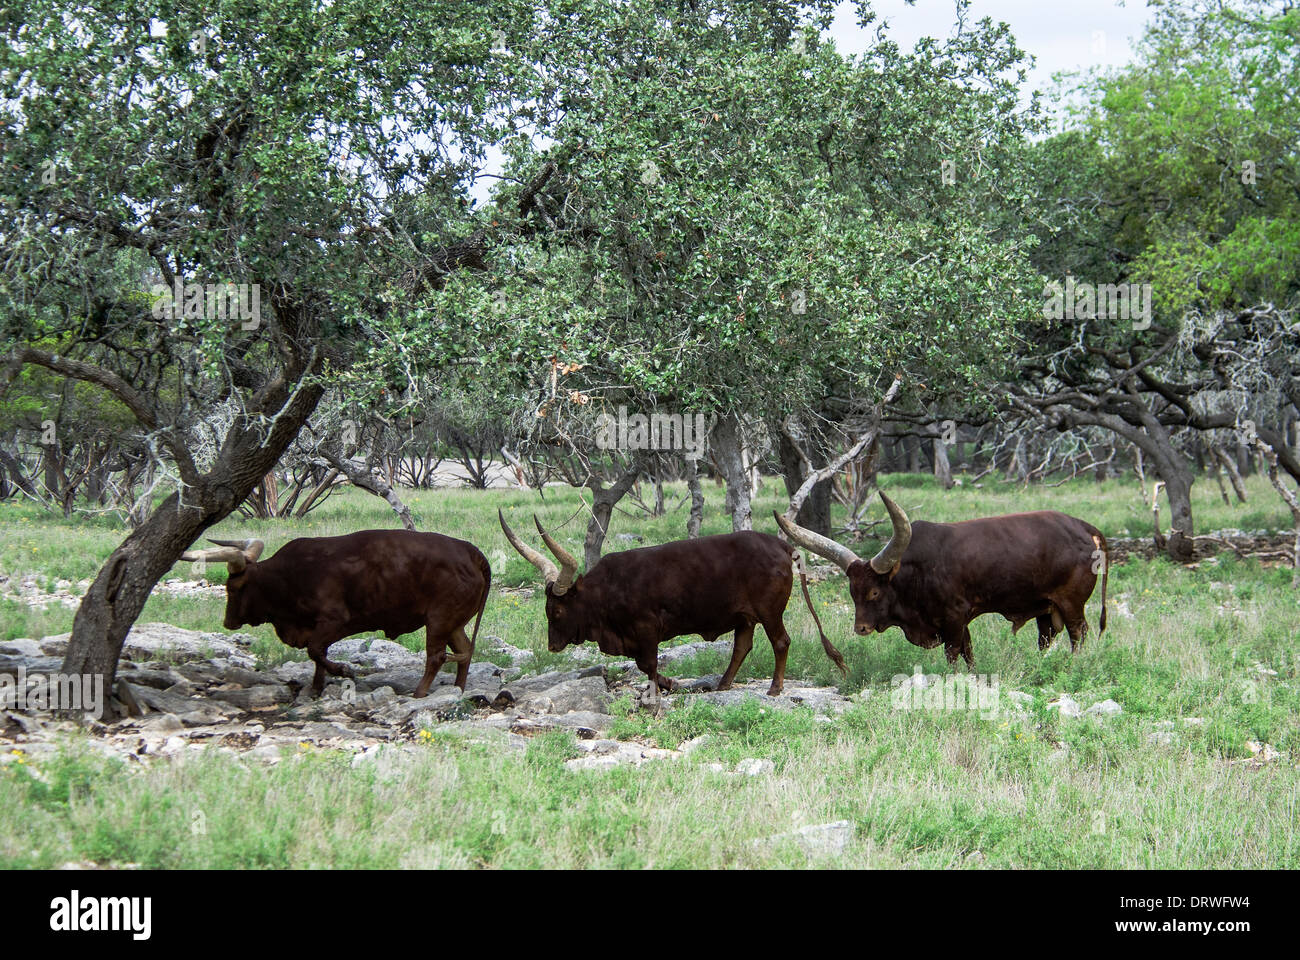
922,788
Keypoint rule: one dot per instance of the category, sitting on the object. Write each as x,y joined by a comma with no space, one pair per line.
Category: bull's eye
873,595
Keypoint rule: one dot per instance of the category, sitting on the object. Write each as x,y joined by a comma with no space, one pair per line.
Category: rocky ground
181,690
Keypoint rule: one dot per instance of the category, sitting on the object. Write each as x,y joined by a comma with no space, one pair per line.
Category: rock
696,743
162,724
392,764
297,672
192,711
1066,706
817,840
436,705
585,724
223,671
796,693
607,762
630,537
259,697
31,665
478,731
523,687
380,654
683,650
623,754
587,693
159,679
162,641
482,690
172,746
30,726
1161,738
21,648
1107,708
752,767
1262,752
369,701
267,753
705,684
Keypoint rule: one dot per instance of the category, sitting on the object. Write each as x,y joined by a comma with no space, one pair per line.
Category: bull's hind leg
435,655
740,648
1049,625
462,653
1072,616
780,640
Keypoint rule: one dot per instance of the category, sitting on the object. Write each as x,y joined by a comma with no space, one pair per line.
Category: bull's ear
893,570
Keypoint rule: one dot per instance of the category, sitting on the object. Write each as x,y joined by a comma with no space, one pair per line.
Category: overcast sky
1062,36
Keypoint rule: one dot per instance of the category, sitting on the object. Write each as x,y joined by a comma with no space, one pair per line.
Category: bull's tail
837,658
1100,541
482,604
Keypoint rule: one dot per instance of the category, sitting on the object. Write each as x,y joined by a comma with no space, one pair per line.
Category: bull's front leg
649,664
957,643
316,650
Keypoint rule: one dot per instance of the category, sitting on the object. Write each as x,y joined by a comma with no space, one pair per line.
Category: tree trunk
942,469
815,512
602,508
1234,475
912,447
697,498
121,588
728,450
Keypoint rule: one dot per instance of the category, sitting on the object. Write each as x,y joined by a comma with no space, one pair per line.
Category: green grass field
922,788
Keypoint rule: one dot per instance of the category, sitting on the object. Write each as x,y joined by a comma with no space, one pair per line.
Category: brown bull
933,579
632,601
318,590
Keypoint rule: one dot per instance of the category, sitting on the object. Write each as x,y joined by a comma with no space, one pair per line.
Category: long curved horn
252,549
568,565
892,552
548,569
233,557
822,546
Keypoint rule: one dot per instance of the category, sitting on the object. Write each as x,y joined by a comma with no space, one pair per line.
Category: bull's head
240,557
869,580
564,609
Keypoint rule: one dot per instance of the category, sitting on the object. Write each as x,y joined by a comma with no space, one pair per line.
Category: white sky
1062,36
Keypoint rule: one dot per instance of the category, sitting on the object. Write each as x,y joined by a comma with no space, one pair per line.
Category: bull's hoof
774,690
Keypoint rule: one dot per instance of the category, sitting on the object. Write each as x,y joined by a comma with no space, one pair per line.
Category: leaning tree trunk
602,508
728,450
122,586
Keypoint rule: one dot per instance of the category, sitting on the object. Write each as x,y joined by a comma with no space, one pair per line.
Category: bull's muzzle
862,629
